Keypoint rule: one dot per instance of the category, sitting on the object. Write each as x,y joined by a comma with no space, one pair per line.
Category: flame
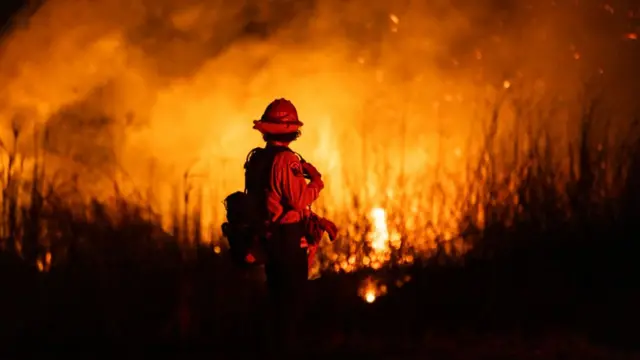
158,96
370,290
44,263
379,236
370,296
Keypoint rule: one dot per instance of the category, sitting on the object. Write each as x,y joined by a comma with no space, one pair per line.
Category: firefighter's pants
287,273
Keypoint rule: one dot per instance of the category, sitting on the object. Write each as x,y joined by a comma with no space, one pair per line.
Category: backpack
246,211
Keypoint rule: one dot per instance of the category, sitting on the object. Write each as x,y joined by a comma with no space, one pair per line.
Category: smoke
146,90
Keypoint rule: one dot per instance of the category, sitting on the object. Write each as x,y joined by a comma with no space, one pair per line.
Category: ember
371,289
370,296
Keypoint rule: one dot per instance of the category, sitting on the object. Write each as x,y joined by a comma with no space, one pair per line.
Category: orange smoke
158,96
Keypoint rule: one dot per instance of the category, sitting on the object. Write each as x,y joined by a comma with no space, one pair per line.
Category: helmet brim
276,128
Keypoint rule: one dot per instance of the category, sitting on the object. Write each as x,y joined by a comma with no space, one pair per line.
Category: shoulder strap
275,150
250,155
257,174
248,158
266,155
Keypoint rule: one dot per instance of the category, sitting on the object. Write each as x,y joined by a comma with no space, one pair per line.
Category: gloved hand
311,171
329,227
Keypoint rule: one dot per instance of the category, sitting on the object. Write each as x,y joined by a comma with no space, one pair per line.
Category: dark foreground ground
511,309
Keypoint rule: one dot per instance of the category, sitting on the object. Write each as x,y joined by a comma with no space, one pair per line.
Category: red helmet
280,117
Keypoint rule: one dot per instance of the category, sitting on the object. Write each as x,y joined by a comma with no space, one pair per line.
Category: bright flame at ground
370,296
379,235
370,290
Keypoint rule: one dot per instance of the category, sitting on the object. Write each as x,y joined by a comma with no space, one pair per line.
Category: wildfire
379,236
370,296
160,98
370,290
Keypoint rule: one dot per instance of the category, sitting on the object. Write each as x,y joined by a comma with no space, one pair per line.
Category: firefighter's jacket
289,195
274,177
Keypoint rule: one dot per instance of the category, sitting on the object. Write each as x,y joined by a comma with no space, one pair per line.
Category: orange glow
370,290
44,264
370,296
609,8
379,236
158,97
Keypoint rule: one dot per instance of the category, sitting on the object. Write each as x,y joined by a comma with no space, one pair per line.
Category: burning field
439,126
419,115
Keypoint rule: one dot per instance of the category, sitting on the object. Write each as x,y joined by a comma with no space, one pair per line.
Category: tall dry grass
529,184
543,225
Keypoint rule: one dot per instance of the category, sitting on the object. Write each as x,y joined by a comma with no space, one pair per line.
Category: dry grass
542,236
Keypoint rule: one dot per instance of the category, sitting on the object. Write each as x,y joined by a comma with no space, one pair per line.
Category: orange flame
158,97
370,290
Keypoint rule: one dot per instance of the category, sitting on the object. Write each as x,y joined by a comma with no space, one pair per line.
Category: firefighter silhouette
271,222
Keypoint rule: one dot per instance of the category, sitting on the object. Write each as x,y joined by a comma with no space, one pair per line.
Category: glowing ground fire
370,290
370,296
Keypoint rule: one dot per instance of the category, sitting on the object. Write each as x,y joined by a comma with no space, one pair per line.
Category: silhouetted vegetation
553,258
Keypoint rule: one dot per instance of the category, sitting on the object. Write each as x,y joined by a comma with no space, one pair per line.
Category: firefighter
277,179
